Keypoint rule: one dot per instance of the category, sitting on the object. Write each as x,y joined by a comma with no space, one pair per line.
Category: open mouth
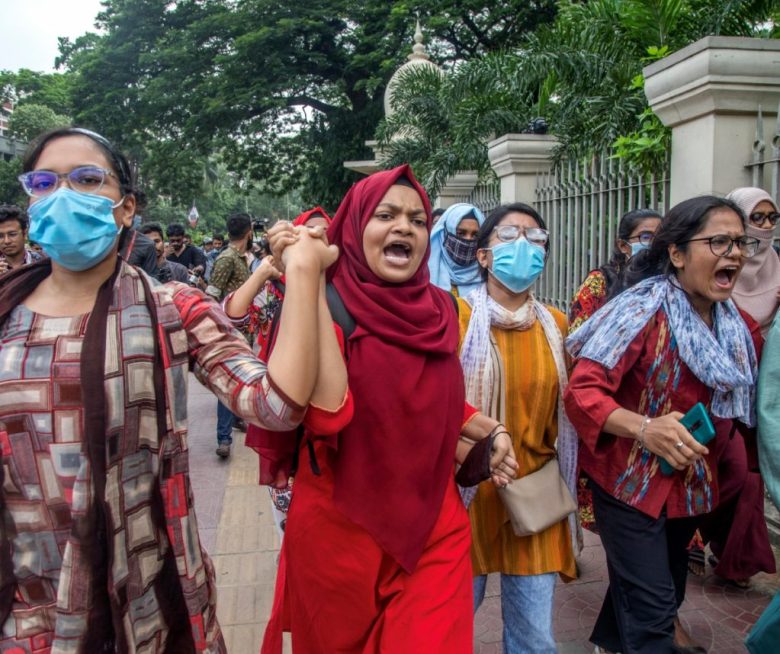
725,277
398,253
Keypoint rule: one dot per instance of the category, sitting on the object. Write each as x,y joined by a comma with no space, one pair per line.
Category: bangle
641,435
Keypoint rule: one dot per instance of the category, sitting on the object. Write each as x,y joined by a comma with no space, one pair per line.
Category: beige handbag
537,501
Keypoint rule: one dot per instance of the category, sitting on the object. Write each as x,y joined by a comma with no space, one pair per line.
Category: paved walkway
236,526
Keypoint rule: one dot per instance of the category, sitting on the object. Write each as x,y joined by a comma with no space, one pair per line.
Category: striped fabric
531,418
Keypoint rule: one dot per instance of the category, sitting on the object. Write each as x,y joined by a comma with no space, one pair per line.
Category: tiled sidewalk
236,526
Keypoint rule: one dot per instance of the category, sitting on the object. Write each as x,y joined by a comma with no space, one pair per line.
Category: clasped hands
301,246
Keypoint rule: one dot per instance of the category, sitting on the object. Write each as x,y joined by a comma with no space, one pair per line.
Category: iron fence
765,162
582,203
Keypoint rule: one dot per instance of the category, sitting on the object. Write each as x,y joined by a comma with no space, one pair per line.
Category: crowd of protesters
439,422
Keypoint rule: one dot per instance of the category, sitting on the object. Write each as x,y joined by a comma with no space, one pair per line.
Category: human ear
676,256
125,212
483,257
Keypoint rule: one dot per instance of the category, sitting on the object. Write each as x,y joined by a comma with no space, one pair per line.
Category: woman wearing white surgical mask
757,290
515,371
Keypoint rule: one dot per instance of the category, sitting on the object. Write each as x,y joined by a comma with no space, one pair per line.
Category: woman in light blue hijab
453,262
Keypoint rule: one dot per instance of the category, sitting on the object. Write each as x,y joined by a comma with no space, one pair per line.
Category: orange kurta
531,418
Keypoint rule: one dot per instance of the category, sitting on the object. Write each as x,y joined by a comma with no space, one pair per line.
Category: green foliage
583,74
10,189
282,92
52,90
29,120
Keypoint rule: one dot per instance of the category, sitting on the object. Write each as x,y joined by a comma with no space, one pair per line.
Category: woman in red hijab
376,549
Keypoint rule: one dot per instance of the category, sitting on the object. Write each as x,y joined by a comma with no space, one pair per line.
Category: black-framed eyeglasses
84,179
645,238
534,235
721,245
758,217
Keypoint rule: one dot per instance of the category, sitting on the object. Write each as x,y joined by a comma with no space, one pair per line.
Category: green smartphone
697,422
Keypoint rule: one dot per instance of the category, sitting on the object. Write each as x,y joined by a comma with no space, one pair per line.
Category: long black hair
681,224
615,268
496,216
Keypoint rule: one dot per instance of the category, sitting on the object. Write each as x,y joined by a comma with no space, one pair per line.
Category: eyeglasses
84,179
758,218
721,245
534,235
645,238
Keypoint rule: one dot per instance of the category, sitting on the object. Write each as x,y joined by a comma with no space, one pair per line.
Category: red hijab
396,457
303,218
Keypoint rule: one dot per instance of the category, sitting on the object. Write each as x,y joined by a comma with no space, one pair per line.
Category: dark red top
652,380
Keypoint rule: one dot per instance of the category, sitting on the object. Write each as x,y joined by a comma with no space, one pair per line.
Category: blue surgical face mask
636,248
517,264
77,230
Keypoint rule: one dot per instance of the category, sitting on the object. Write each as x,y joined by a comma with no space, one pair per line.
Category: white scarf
485,379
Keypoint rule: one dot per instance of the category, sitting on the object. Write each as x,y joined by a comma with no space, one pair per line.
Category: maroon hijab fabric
303,218
396,457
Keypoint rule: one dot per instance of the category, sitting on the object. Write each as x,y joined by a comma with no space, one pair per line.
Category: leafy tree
52,90
583,73
10,189
29,120
283,92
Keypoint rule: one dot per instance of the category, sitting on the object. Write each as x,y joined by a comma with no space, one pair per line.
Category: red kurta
338,591
652,380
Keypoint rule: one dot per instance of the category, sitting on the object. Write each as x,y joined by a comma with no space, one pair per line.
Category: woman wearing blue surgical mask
99,546
515,371
453,261
635,233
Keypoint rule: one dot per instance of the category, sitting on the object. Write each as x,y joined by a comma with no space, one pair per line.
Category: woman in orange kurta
514,364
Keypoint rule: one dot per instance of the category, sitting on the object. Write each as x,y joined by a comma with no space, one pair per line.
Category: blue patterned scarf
724,360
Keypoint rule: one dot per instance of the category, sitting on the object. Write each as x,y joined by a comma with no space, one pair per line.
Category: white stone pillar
518,159
709,94
457,189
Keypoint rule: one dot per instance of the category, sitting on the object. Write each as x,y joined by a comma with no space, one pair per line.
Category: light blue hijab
445,273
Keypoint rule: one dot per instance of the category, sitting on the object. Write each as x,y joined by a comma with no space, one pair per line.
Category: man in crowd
208,245
13,234
166,270
138,250
217,242
230,271
187,255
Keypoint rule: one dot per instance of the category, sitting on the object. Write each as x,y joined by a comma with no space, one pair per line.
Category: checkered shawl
149,584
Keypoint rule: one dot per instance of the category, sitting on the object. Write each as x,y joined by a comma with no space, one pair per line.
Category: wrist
640,435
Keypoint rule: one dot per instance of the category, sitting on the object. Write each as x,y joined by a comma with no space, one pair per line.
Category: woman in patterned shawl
99,547
670,341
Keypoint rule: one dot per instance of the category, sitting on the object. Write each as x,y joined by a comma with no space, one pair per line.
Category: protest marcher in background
167,271
14,225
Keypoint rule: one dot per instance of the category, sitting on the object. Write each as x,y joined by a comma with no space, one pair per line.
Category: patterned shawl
486,383
134,364
723,359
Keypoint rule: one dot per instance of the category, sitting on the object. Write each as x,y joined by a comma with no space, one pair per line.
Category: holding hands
301,246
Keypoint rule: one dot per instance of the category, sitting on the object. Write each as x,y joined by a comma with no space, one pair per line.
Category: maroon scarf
396,457
106,631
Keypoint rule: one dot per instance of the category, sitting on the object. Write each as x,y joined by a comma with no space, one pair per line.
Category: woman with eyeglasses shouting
672,343
99,546
758,288
515,370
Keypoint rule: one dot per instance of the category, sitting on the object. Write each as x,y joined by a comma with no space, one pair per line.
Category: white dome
419,57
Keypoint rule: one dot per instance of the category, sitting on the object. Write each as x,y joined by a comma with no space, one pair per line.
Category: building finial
418,49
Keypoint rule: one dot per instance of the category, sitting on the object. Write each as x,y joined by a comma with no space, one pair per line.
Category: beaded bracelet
641,436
